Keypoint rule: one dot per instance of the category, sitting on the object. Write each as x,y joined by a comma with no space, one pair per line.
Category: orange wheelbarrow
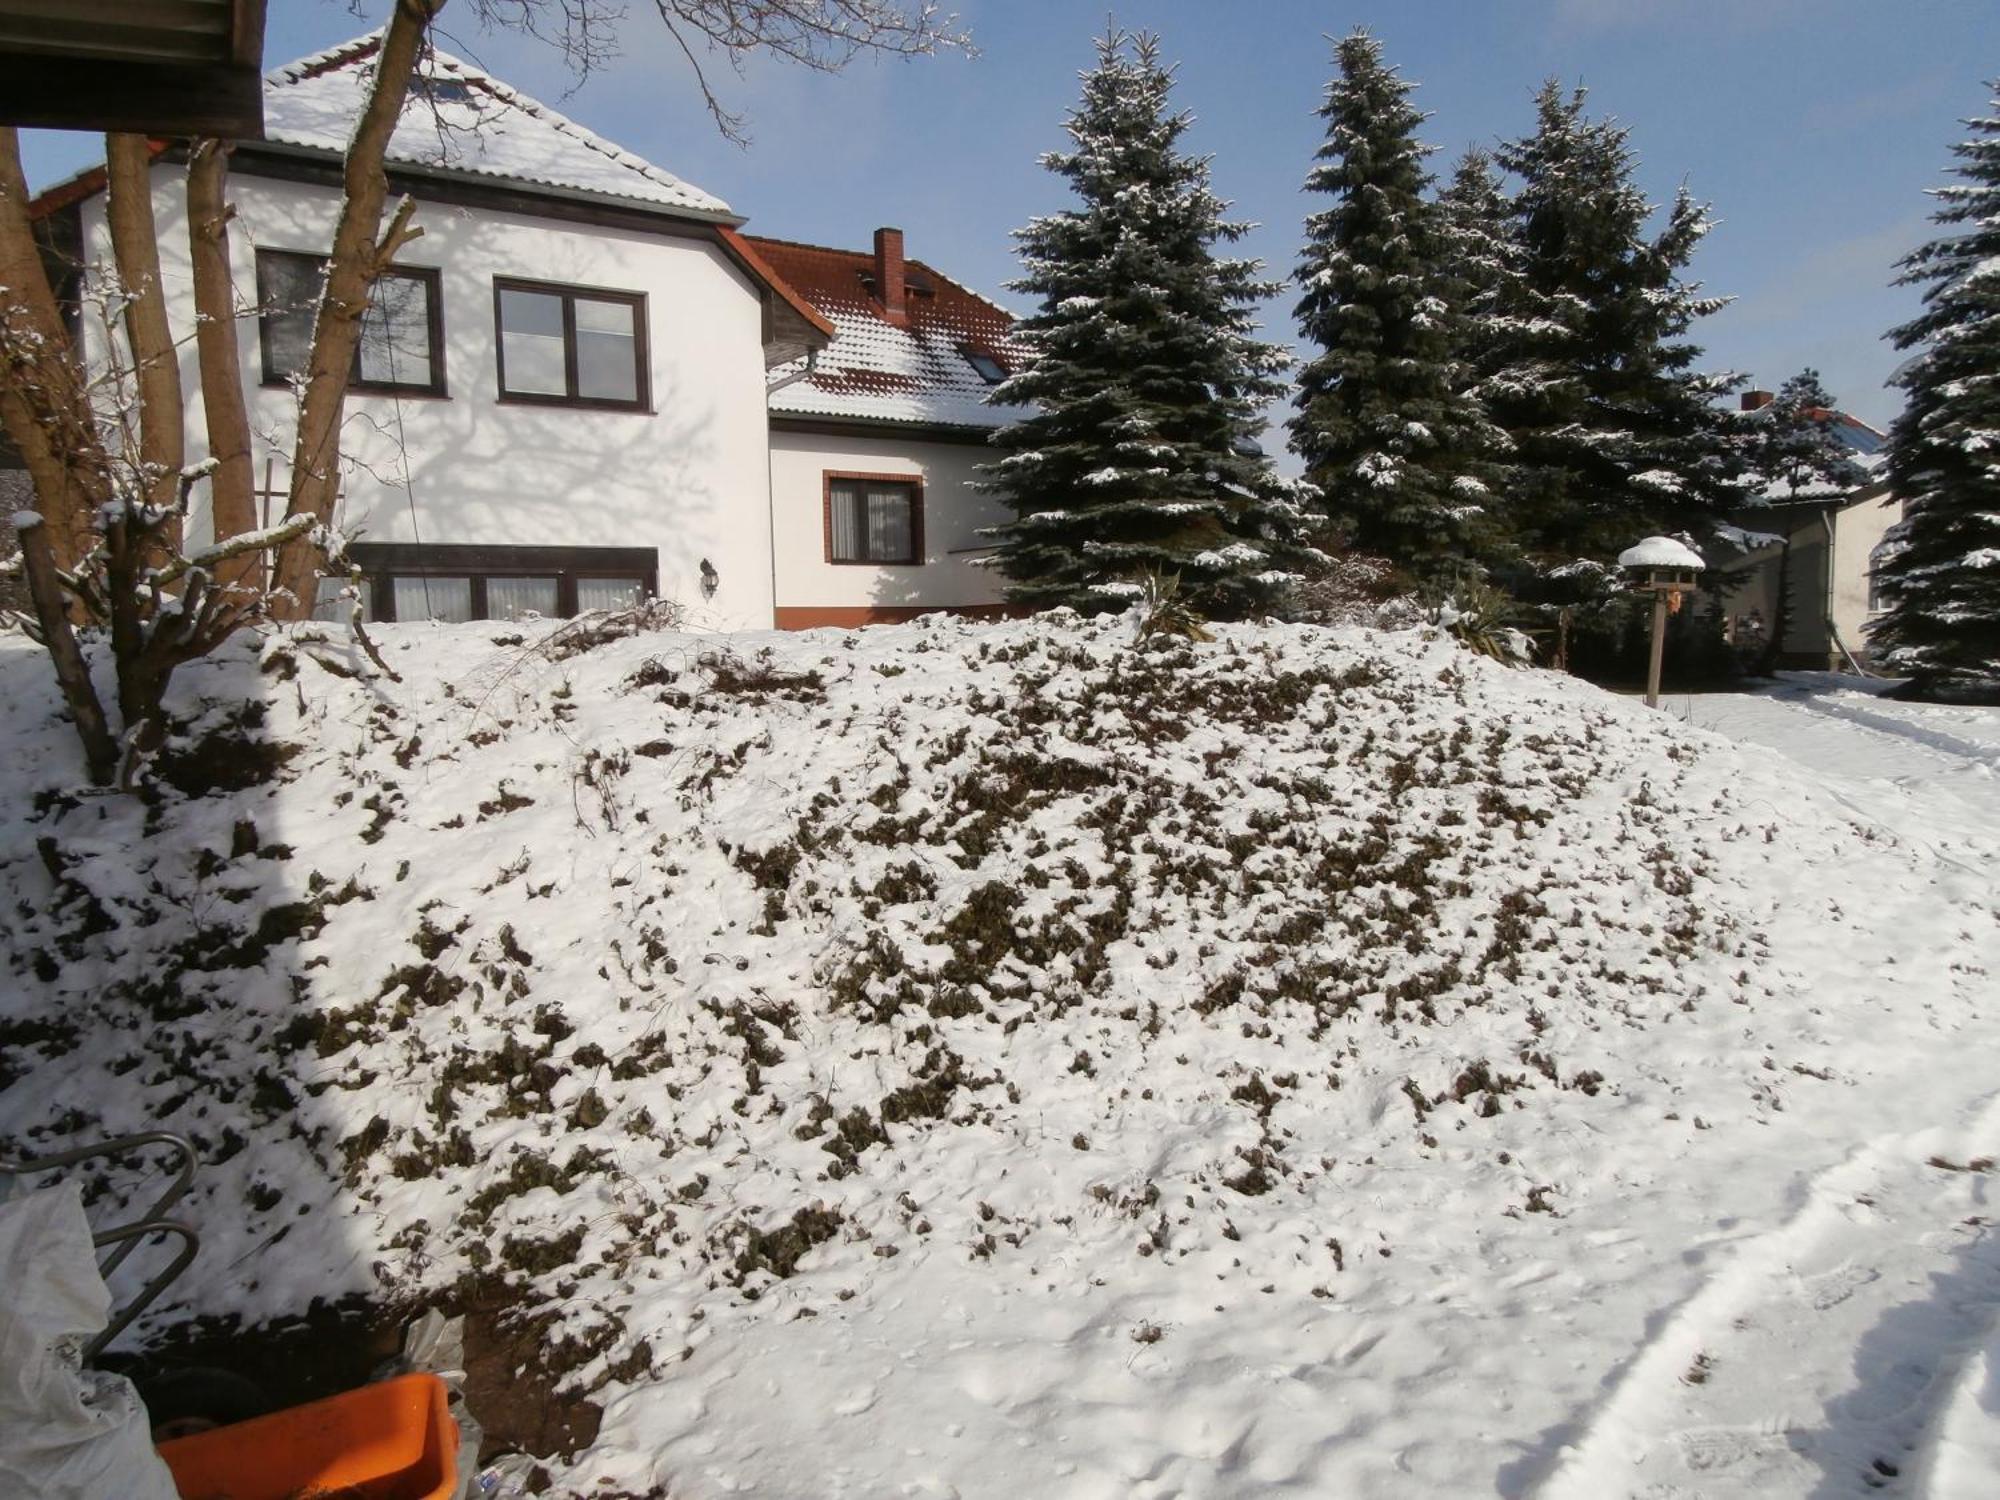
392,1440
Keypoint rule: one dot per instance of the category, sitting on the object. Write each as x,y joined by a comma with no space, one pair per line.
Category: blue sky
1813,126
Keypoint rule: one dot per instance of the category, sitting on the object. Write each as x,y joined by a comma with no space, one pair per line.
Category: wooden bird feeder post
1666,569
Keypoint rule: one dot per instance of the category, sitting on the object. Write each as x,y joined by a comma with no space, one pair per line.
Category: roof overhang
153,67
793,327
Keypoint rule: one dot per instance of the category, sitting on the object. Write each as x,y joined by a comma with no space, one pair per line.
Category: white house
872,449
1825,543
581,383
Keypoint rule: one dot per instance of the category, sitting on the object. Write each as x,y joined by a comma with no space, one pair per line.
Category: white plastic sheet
66,1433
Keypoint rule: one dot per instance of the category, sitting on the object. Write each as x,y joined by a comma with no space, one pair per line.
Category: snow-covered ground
993,1060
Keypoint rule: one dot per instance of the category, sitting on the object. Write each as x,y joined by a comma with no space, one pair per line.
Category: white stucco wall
953,515
1858,530
690,478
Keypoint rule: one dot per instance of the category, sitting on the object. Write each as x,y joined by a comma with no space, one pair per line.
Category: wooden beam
179,99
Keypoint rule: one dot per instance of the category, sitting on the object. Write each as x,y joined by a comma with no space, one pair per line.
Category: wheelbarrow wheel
197,1397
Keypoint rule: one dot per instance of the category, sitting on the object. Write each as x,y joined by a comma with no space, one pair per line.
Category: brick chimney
1757,400
889,275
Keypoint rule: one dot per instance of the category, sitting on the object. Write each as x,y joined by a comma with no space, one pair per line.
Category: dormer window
985,366
444,90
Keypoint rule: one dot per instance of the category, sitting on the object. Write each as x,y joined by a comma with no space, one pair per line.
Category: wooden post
1659,647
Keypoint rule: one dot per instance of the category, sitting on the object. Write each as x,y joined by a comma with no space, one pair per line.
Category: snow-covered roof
919,370
460,121
1660,552
1866,449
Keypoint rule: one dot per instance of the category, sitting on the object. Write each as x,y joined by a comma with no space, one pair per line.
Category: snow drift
755,1004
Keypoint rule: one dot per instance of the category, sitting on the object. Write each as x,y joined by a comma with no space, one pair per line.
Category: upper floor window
571,346
402,330
874,518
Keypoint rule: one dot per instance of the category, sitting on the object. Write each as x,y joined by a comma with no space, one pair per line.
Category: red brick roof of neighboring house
914,369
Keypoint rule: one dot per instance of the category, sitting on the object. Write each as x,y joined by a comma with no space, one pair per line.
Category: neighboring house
873,447
1825,543
574,387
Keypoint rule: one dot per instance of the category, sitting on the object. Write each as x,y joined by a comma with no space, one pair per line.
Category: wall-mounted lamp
710,579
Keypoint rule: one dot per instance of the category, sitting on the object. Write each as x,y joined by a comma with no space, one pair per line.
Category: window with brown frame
874,519
448,582
402,331
563,345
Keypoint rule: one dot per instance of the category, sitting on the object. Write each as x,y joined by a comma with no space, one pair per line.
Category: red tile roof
877,369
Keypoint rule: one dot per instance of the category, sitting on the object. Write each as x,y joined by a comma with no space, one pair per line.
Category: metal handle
175,1190
130,1235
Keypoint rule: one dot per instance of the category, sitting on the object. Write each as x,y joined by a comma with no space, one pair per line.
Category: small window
985,366
402,330
874,518
570,346
1877,558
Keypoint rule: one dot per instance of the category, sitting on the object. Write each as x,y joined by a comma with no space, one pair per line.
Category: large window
571,346
874,518
409,581
402,330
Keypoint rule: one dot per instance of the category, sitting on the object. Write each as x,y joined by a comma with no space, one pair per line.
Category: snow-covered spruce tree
1400,451
1943,584
1795,448
1481,261
1616,435
1144,381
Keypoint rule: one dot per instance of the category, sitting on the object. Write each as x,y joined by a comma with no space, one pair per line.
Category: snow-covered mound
861,1038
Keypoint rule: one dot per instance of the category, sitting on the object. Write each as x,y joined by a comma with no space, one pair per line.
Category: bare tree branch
822,35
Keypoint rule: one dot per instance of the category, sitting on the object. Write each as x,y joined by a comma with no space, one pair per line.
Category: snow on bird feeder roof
1661,552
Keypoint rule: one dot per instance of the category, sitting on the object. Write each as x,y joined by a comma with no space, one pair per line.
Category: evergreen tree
1943,584
1616,436
1400,451
1145,381
1481,265
1796,448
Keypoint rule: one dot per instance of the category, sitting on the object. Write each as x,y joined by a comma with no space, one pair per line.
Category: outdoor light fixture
710,579
1667,569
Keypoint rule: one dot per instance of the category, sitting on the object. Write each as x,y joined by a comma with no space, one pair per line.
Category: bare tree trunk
156,368
357,259
43,398
100,750
232,483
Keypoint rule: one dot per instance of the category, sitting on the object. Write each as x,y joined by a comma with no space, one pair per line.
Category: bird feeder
1666,569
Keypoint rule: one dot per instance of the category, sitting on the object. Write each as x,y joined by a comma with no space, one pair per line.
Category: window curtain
872,523
511,598
606,593
889,524
434,598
